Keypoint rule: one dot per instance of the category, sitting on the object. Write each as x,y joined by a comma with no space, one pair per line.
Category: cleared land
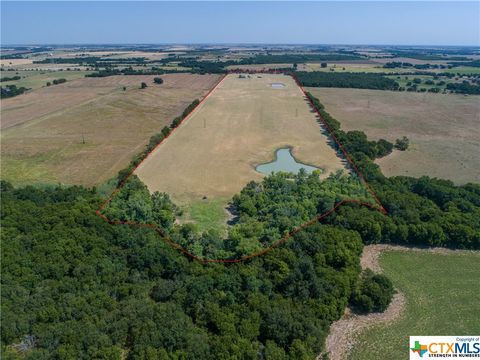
37,79
442,298
44,131
444,130
240,125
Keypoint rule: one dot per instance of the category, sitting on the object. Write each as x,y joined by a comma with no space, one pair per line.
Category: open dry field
43,131
240,125
9,63
444,130
36,79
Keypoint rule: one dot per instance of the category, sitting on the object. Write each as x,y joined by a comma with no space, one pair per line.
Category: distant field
442,298
350,67
42,139
464,70
214,153
10,63
444,130
260,67
37,79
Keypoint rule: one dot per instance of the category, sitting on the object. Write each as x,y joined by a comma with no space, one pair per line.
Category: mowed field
442,298
86,130
215,151
444,130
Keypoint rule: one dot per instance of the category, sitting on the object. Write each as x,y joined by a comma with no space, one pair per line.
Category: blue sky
340,22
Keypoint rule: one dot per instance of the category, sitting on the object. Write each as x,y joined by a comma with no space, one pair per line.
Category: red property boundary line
282,240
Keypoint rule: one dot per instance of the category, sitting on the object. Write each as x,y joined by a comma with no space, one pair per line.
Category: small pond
284,161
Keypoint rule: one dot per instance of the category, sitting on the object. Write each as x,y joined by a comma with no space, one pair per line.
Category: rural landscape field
239,180
240,126
443,130
84,131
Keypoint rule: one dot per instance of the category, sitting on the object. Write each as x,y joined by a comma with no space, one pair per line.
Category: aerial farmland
228,180
241,125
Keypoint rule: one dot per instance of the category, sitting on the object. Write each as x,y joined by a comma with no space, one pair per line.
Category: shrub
374,293
402,144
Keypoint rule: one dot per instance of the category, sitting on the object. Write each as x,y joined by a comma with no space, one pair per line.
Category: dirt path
344,331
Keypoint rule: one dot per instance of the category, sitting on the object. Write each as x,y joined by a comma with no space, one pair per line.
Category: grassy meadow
442,298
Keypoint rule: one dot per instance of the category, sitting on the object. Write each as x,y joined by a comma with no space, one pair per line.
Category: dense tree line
11,90
464,88
473,63
346,80
110,71
398,64
11,78
207,67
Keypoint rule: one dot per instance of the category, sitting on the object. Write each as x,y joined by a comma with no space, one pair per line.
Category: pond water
277,85
284,161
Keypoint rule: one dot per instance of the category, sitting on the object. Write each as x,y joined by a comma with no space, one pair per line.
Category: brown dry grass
242,123
444,130
46,144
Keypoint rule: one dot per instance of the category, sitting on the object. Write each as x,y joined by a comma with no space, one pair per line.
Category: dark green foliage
402,144
110,71
82,288
346,80
11,78
206,67
11,90
464,88
58,81
265,211
158,80
474,63
372,294
425,212
143,85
